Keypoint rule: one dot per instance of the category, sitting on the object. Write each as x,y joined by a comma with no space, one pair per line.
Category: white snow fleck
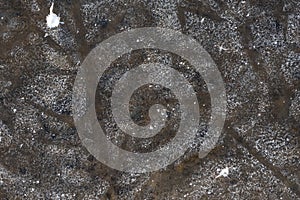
52,19
224,172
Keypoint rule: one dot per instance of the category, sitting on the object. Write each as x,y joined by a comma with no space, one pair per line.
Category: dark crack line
64,118
49,40
68,119
197,8
111,28
83,46
275,170
262,73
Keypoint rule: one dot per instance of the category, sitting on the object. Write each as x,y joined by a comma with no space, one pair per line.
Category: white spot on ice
224,172
52,19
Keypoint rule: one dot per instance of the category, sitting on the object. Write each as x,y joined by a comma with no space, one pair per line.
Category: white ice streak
52,19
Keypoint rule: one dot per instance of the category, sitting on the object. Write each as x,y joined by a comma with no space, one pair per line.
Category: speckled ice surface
255,45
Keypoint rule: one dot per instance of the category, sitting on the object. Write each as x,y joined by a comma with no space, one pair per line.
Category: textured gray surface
255,45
